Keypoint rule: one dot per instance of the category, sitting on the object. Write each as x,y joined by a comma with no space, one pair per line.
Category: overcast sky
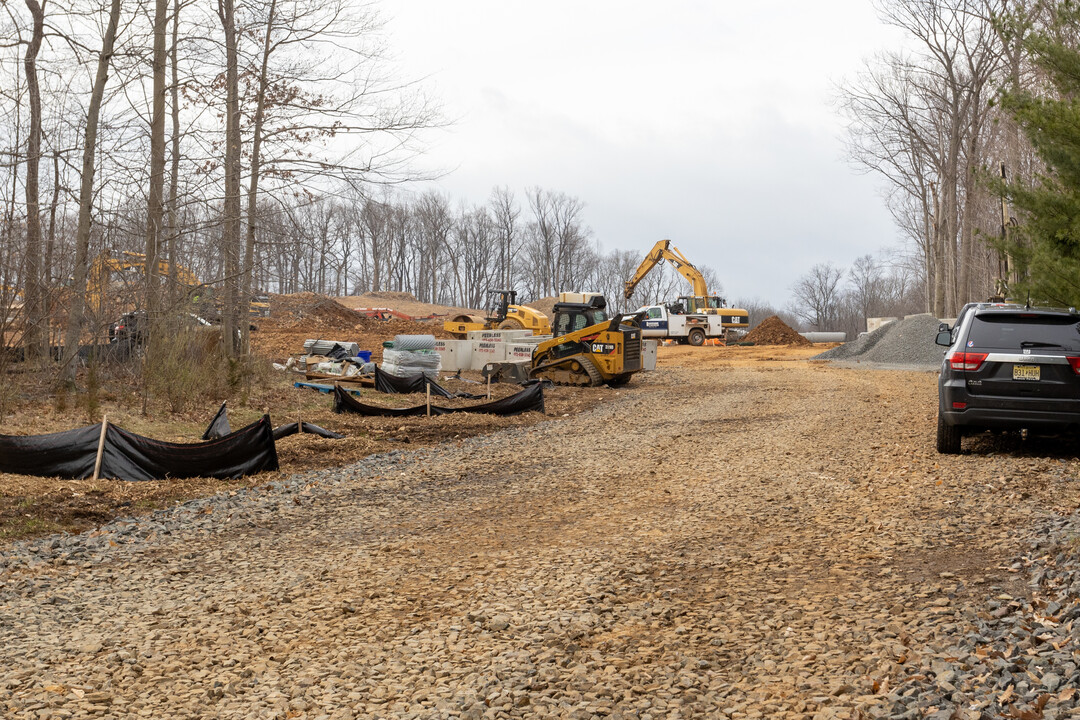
710,123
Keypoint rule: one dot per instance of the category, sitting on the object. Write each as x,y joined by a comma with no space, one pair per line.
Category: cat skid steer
588,349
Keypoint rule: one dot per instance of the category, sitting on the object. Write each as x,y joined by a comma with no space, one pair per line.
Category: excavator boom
660,252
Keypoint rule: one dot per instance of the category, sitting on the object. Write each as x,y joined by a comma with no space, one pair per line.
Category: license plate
1025,372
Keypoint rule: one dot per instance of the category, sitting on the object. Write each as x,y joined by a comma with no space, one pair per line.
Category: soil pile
907,342
295,318
545,305
774,331
403,302
310,309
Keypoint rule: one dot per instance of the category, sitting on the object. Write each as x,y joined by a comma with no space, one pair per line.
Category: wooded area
926,118
264,146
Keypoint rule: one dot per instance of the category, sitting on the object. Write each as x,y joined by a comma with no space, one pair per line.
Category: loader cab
499,302
570,317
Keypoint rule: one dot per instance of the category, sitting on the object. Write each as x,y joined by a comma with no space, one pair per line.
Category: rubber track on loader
595,378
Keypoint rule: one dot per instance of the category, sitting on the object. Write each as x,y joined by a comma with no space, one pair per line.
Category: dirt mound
545,305
404,302
774,331
310,307
298,317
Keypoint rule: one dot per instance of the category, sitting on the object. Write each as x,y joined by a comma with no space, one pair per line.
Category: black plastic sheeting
529,399
69,454
294,428
128,456
219,426
387,383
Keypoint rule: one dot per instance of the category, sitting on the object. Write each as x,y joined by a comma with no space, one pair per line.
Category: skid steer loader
588,348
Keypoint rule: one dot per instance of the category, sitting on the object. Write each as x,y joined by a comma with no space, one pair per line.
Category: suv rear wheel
948,437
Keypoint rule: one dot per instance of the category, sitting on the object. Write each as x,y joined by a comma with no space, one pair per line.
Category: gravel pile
908,343
863,343
1017,657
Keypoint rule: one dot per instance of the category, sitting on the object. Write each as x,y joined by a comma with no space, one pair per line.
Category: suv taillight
966,361
1074,363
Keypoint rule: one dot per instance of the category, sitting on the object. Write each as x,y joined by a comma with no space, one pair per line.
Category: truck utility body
661,321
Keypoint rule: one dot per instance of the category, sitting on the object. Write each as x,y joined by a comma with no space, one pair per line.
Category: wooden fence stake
100,446
489,387
428,386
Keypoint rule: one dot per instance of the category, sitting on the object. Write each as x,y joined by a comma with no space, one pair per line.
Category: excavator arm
661,251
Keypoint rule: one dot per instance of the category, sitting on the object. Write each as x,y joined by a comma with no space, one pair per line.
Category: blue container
364,355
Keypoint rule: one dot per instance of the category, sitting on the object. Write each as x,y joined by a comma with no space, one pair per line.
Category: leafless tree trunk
174,174
37,334
256,148
230,320
76,320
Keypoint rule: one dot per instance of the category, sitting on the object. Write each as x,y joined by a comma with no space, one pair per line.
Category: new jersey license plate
1025,372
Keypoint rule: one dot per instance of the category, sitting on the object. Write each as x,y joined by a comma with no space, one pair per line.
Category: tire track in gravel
761,541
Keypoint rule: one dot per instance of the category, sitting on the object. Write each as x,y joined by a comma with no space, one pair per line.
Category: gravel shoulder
740,534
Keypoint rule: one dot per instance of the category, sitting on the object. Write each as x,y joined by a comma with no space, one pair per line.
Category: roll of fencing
414,342
419,359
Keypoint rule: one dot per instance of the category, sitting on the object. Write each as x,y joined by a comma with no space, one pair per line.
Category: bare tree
921,120
817,295
34,310
76,319
230,239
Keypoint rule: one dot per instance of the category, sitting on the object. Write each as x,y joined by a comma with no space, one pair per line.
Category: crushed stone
908,343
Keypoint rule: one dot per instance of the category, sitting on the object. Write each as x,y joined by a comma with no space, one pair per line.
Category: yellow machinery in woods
699,301
588,348
130,268
502,314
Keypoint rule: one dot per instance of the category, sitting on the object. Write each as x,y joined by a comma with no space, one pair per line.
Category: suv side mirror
944,337
943,327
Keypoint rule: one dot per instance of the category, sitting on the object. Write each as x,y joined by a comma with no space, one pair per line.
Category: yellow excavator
700,301
503,313
588,348
131,266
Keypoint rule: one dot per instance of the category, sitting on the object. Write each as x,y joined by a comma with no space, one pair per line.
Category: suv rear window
1014,331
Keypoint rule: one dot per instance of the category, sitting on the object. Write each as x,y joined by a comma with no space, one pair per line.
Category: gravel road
754,539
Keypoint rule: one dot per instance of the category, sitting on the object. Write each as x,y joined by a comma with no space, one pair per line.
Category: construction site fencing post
100,446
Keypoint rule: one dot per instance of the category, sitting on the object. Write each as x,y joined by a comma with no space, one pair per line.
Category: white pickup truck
660,322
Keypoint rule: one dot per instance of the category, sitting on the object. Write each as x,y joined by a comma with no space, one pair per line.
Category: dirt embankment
406,303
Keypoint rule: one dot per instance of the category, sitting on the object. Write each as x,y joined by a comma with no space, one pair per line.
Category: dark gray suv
1008,367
